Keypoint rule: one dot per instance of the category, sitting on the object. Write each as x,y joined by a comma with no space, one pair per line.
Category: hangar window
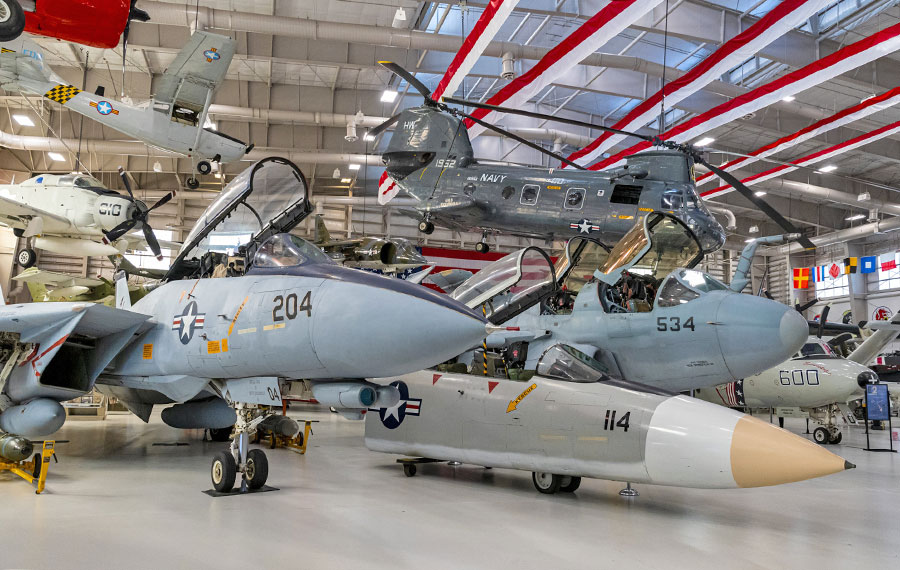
889,279
530,194
574,198
626,194
833,287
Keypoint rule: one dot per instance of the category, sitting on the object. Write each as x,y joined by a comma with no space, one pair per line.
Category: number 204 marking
674,324
287,306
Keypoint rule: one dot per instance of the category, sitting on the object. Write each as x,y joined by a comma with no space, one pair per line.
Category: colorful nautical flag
850,264
868,264
834,271
820,274
801,277
890,261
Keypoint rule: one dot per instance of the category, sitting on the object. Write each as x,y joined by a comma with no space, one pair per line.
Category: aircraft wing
198,68
885,333
448,203
54,279
14,213
97,321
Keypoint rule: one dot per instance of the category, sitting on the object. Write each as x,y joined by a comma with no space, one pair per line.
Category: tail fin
885,333
123,299
387,188
38,291
322,235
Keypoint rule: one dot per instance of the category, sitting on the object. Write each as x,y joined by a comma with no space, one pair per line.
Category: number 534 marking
674,324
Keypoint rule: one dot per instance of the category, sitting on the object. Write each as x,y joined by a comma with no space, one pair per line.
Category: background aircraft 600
646,313
173,119
216,345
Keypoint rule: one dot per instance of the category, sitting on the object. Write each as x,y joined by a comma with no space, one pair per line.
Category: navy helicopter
430,156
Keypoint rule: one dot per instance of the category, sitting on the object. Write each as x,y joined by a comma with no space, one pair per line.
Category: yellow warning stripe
592,438
245,331
241,308
273,327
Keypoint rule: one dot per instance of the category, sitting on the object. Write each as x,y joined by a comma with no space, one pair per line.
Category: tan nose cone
762,455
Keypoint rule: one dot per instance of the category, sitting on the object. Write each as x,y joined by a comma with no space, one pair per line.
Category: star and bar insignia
62,93
392,417
104,108
187,322
584,226
211,55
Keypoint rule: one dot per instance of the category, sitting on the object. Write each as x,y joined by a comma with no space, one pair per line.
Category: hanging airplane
75,214
175,117
816,383
572,419
88,22
218,348
46,286
430,157
388,255
647,313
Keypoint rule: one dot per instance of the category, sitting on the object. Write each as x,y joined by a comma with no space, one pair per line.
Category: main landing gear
482,246
252,464
828,433
550,483
426,226
26,258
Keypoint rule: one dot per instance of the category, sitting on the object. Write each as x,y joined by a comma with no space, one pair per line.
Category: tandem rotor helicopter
430,156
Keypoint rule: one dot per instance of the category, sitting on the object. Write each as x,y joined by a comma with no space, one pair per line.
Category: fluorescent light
788,99
336,173
23,120
369,137
855,217
353,167
705,141
828,168
55,156
345,181
388,96
218,175
754,229
759,193
863,197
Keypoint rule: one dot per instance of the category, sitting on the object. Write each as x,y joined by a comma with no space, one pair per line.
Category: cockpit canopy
285,250
685,285
816,348
564,362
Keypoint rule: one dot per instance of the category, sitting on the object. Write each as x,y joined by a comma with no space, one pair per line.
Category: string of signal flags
803,276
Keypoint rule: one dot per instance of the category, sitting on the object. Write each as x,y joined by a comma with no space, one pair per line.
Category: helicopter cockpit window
672,199
285,250
574,198
530,194
564,362
626,194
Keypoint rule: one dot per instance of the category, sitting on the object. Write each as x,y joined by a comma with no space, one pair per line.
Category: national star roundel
392,417
187,322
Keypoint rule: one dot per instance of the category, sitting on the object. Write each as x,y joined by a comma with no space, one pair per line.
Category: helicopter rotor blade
374,132
761,204
524,113
152,241
408,77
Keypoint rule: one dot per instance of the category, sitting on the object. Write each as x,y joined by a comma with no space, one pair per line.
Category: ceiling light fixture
157,167
855,217
399,18
23,120
55,156
345,181
705,141
863,197
388,96
754,229
354,167
369,138
829,168
336,173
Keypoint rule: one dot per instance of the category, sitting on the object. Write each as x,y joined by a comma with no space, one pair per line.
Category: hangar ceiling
304,70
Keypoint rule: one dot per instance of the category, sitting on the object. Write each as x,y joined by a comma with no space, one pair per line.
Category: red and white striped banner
487,26
467,259
778,21
846,59
819,156
387,188
850,114
588,38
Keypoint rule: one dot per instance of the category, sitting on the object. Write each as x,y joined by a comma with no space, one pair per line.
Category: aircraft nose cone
756,333
387,327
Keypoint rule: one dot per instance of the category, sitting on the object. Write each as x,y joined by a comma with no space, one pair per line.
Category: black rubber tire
571,486
426,227
220,434
542,484
38,465
26,258
223,472
837,439
257,468
204,167
14,22
482,247
821,436
192,183
409,469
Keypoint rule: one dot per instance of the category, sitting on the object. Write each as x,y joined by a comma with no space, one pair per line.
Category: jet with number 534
218,347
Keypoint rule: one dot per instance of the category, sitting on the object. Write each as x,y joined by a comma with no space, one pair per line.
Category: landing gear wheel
204,167
570,484
836,438
221,434
26,257
426,227
12,20
409,470
38,465
482,247
257,469
546,483
192,183
821,436
223,471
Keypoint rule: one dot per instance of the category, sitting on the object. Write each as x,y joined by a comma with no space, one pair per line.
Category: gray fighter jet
647,313
389,255
218,347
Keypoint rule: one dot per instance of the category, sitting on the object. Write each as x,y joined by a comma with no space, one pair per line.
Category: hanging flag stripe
819,156
487,26
387,188
871,105
777,22
845,59
588,38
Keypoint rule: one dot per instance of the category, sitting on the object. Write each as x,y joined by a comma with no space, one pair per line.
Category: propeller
802,308
823,318
139,215
136,14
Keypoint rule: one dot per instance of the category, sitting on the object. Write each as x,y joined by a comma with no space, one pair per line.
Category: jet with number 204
430,157
219,347
647,313
174,119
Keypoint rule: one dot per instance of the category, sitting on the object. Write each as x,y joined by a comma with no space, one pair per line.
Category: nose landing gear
426,226
252,464
482,246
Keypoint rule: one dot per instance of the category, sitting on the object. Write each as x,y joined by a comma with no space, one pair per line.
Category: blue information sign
877,404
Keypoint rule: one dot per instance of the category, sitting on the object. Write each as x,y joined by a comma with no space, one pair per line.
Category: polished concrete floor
116,500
